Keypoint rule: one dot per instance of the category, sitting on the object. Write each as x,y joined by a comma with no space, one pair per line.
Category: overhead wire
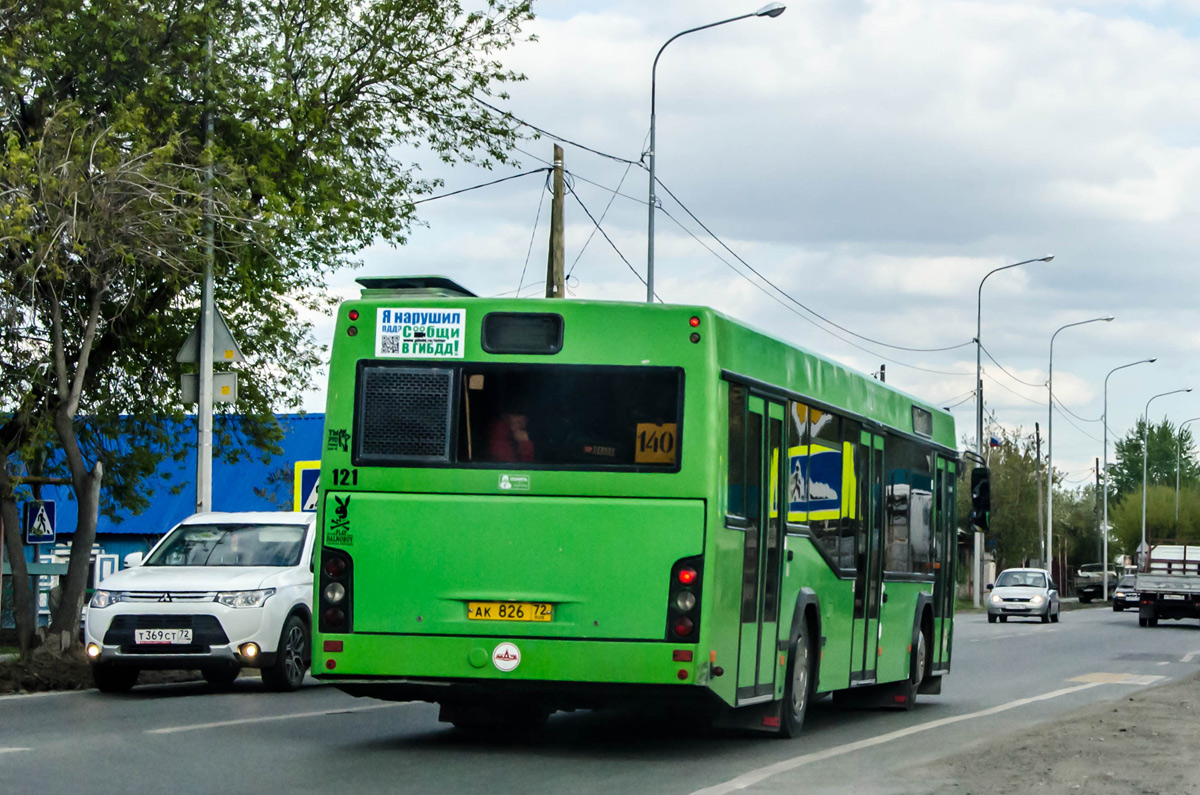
533,235
793,310
794,300
555,136
1006,372
477,187
610,241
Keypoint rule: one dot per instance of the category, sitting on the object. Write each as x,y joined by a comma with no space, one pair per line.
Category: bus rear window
565,416
520,415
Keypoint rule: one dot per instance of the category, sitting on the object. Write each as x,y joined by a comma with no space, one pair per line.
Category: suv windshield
1019,579
231,545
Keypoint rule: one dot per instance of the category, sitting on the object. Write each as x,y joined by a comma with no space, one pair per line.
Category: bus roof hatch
426,285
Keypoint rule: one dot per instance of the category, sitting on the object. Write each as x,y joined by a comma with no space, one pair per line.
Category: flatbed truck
1168,582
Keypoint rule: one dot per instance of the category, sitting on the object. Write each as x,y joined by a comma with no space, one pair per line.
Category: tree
1126,518
1014,519
1163,441
102,186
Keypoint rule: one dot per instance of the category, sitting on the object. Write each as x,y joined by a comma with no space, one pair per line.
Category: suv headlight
245,598
101,599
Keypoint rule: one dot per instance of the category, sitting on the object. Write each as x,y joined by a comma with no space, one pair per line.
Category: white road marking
269,718
43,694
13,750
762,773
1188,657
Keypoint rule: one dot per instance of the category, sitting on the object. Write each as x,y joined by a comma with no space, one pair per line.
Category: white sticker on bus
506,657
412,333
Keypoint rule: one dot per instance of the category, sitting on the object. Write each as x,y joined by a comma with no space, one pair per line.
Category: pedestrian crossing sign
305,485
39,522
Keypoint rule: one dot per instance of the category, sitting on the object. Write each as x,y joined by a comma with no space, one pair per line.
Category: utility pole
1099,522
1037,435
554,261
204,403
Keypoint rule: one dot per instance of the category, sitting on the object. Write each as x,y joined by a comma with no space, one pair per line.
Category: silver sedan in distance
1023,592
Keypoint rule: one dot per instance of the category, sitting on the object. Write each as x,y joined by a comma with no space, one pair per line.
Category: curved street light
1145,455
770,10
1048,557
1104,418
978,574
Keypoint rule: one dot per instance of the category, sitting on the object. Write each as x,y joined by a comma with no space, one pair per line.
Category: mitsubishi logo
166,597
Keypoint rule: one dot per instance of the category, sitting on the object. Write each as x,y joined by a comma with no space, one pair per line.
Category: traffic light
981,497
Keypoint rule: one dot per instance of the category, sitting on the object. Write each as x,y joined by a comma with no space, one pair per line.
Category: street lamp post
978,590
1178,444
1145,455
1104,419
1048,555
771,10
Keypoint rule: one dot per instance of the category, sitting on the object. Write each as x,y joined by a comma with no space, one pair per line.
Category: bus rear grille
404,413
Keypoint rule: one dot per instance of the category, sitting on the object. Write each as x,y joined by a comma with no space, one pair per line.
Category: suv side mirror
133,559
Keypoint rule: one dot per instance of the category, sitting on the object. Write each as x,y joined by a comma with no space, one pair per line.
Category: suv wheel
291,657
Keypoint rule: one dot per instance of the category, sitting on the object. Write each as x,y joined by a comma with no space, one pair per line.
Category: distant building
248,485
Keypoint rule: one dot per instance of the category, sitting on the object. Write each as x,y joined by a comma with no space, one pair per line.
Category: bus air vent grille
405,414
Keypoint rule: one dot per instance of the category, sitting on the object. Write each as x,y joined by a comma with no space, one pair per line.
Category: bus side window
736,490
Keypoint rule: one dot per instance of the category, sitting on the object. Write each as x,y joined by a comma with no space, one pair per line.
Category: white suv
220,592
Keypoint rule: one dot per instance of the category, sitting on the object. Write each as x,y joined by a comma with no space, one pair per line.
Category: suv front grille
206,632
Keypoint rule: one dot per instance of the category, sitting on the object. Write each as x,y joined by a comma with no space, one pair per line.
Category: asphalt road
186,738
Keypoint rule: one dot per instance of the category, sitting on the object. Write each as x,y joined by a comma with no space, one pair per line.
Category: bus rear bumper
571,673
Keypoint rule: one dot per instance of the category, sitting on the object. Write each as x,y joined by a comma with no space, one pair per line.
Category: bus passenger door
868,553
944,557
761,562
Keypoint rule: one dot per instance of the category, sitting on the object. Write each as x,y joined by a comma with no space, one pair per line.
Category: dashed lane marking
269,718
1117,679
1188,657
13,750
755,776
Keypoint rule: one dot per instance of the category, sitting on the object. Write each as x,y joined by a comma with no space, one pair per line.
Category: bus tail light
683,600
334,611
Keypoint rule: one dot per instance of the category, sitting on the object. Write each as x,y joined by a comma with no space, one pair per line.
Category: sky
873,159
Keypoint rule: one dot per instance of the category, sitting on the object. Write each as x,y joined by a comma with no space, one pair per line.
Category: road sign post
304,491
39,522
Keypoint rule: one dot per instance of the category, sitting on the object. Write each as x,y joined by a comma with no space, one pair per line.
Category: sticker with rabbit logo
338,531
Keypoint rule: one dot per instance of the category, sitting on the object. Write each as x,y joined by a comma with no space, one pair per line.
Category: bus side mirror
981,497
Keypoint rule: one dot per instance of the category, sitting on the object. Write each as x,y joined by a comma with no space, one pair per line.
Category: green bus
529,506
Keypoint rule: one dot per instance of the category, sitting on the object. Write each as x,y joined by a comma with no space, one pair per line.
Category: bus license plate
162,636
509,611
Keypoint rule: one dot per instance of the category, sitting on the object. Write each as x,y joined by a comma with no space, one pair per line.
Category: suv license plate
161,636
509,611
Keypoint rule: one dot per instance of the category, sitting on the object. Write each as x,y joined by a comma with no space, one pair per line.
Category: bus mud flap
764,717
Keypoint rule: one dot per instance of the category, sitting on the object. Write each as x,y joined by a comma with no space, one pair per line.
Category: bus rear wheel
798,691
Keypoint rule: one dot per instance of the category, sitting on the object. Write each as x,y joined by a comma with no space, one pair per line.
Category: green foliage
1126,518
102,177
1166,446
1014,522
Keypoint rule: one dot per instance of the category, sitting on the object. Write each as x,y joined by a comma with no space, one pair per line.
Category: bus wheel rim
800,680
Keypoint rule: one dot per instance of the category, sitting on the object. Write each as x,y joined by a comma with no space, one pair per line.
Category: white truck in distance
1168,583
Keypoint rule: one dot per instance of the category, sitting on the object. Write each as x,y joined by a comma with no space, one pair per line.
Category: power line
577,176
533,235
787,295
477,187
1006,372
1063,406
603,215
556,137
610,242
803,317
